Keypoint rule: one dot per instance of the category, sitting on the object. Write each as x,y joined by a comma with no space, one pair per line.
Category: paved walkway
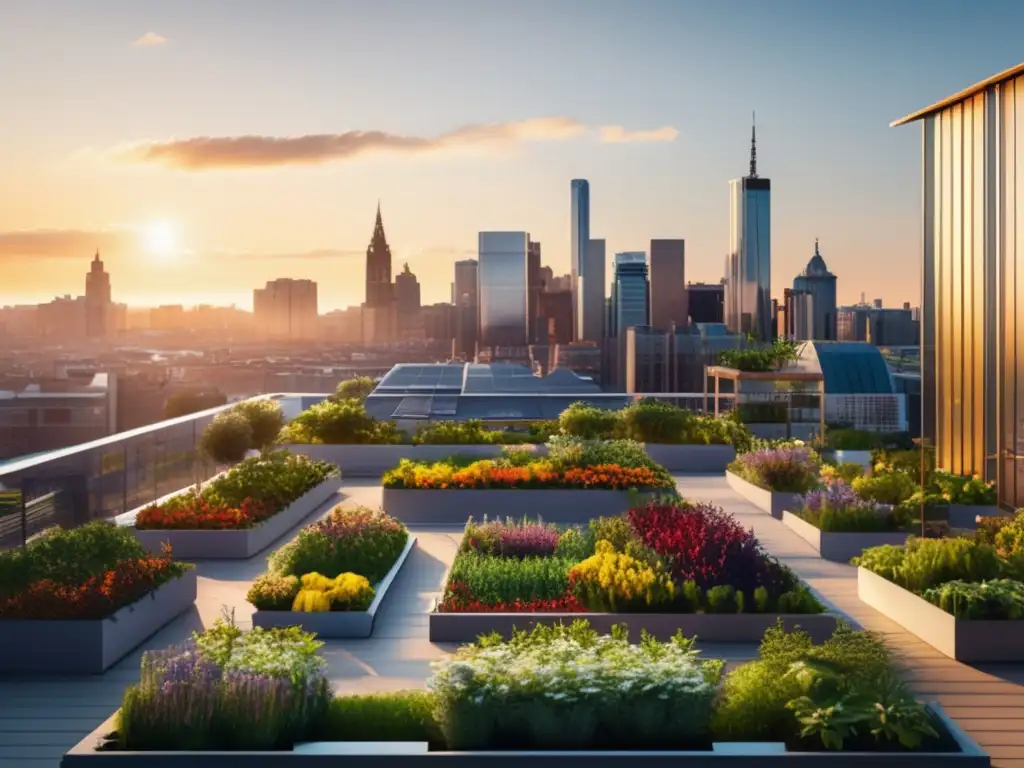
41,718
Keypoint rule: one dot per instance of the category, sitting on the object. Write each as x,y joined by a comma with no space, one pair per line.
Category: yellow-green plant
614,581
319,594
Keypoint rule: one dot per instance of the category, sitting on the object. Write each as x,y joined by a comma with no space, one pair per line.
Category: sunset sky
206,146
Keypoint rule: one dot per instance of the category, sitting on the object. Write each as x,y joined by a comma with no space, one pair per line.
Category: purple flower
838,497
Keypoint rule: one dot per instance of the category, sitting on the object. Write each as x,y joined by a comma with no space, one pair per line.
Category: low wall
966,515
692,458
841,547
772,502
375,460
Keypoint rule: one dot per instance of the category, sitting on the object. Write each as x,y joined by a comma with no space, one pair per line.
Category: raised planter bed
413,754
967,641
772,502
841,547
709,627
966,515
337,624
242,543
89,647
375,460
553,505
692,458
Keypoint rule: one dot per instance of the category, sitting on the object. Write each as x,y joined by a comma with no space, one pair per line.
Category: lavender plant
837,508
788,469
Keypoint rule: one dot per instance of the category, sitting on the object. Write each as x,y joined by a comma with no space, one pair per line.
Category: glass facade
748,302
971,326
579,222
592,289
502,292
630,293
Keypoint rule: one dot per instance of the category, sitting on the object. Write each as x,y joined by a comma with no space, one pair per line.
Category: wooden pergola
719,372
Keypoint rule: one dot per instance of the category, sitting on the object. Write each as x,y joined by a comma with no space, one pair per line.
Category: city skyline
658,158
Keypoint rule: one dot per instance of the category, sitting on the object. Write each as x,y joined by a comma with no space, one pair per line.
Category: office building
503,289
97,299
877,325
668,284
706,302
629,299
407,304
547,279
555,317
534,287
820,284
579,237
287,309
466,308
800,314
748,269
665,361
438,321
592,290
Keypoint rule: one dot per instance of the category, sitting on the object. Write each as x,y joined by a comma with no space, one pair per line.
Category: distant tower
817,281
97,299
379,289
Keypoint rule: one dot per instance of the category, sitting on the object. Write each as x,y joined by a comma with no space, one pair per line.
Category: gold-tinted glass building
972,329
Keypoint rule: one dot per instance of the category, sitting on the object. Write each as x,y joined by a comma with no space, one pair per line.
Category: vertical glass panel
141,487
1007,170
1015,198
956,303
943,317
979,299
929,139
967,278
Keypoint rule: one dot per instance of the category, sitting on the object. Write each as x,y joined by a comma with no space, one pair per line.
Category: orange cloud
233,152
63,243
150,39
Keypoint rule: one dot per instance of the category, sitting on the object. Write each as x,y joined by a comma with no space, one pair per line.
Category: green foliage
265,420
227,438
386,717
344,422
542,431
574,545
926,563
273,592
187,401
1001,599
885,487
845,473
762,358
649,421
469,432
723,599
588,422
492,579
972,491
358,388
276,479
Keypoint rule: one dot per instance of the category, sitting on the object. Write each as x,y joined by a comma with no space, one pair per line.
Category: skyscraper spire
816,247
753,145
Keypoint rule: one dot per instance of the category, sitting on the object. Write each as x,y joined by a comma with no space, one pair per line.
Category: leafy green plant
358,388
926,563
1001,599
273,592
887,487
399,716
492,579
344,422
973,491
650,421
469,432
227,438
761,358
265,420
588,422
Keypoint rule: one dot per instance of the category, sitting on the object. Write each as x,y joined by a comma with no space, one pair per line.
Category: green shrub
492,579
927,563
343,422
588,422
885,487
649,421
400,716
358,388
273,592
265,420
469,432
1000,599
227,438
761,358
574,545
274,479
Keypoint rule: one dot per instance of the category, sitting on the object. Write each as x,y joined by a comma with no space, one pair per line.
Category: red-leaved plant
200,514
457,599
705,545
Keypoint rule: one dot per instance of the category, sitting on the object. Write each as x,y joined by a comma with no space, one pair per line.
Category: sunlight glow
160,238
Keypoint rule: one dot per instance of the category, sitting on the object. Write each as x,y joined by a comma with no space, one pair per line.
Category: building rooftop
1001,77
850,367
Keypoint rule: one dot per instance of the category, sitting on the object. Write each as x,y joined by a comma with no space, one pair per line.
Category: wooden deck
41,718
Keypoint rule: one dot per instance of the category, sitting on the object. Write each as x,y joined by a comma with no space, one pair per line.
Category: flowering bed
788,468
837,508
243,497
86,573
555,688
663,557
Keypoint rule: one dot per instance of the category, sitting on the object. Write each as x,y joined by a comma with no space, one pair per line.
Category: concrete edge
840,546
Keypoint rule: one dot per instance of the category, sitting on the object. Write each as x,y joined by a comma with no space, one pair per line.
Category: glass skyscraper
629,293
748,271
579,222
502,291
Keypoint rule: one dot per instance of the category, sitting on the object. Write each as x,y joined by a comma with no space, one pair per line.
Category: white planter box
692,458
772,502
242,543
91,646
841,547
337,624
967,641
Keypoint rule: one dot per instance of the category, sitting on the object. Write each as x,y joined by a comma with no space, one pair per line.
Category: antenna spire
753,145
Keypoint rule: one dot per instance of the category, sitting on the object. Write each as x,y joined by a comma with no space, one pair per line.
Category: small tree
588,422
649,421
358,388
188,401
265,419
227,438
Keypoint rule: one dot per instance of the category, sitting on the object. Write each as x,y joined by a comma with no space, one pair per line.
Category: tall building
467,321
380,313
579,223
629,293
817,281
881,326
592,287
407,303
534,287
668,284
287,309
748,271
706,302
503,290
97,299
555,317
547,278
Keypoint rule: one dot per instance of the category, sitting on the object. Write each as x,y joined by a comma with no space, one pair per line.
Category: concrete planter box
337,624
965,515
243,543
709,627
90,647
447,506
692,458
772,502
375,460
967,641
841,547
413,754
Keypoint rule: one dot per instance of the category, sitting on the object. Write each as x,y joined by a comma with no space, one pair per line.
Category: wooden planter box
415,755
772,502
692,458
91,646
242,543
841,547
709,627
375,460
454,506
967,641
966,515
337,624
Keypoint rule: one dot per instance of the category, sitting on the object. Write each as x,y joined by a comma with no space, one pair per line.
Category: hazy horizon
206,147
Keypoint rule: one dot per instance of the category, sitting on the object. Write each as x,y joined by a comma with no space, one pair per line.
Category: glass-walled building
579,237
502,292
592,292
630,292
972,330
748,299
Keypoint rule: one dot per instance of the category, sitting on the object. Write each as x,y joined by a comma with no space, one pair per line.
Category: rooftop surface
1001,77
41,718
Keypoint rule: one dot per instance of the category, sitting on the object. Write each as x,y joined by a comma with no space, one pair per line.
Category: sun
160,238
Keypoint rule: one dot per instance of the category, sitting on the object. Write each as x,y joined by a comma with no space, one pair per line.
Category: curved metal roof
853,368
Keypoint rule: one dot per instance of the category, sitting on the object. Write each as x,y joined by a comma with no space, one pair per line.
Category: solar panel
413,407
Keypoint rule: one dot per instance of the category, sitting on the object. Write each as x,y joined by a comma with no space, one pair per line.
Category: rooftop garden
246,495
86,573
268,690
663,557
762,358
